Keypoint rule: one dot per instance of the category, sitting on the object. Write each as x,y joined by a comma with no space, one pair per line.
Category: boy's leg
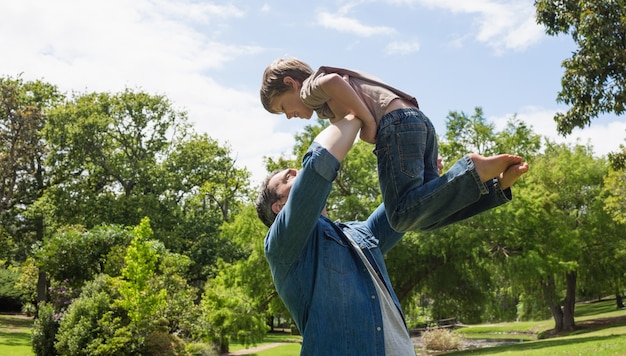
415,196
499,193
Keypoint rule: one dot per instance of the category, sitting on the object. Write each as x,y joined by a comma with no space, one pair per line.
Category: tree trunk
549,293
619,299
570,301
42,289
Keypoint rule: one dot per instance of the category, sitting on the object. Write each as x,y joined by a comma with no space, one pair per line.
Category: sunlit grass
15,335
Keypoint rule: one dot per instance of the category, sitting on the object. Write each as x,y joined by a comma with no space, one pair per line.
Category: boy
415,196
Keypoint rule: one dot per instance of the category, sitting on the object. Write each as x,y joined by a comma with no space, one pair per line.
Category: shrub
80,327
441,340
44,331
202,349
163,344
9,296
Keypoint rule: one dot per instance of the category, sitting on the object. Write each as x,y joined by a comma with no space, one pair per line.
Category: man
332,276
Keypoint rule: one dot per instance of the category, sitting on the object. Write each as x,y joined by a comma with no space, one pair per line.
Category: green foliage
139,311
615,201
10,297
141,302
161,342
27,280
594,80
228,313
252,273
80,330
23,112
468,134
44,331
76,255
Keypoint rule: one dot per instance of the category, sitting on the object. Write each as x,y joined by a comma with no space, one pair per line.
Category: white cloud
159,47
402,47
505,24
342,23
604,137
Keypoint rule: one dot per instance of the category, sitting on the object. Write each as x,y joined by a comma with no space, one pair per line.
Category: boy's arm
344,100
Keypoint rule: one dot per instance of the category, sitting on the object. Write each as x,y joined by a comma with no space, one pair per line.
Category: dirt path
256,349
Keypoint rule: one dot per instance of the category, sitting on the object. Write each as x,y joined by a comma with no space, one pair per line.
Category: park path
255,349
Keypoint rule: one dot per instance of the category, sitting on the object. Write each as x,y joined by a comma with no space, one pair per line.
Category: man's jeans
415,196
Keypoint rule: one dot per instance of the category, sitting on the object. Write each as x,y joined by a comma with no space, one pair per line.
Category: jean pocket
411,149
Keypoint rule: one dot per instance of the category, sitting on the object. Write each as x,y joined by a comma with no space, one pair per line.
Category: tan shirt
374,93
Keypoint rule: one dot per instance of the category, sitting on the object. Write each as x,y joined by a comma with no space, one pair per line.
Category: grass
292,349
15,333
601,331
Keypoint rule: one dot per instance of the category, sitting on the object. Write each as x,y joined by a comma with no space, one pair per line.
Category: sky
208,57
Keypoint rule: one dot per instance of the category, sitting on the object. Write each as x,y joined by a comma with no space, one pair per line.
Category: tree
23,174
557,220
104,155
594,81
452,265
77,255
615,203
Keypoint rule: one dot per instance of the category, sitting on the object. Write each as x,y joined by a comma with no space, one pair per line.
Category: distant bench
449,323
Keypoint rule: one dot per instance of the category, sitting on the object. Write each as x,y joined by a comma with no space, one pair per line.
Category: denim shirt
318,275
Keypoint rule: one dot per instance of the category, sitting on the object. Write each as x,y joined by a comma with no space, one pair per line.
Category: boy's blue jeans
415,196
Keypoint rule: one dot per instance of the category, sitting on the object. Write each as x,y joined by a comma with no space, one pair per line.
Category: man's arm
339,137
307,198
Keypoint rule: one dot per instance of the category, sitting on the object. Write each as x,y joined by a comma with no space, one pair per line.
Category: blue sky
207,57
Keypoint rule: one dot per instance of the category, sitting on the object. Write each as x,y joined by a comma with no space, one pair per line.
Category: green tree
105,151
78,255
557,221
116,158
615,203
594,81
23,179
208,189
453,265
137,297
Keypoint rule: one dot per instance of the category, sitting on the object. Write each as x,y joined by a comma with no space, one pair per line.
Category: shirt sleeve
314,97
295,223
378,223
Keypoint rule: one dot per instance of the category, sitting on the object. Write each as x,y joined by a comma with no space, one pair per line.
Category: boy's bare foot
510,176
489,167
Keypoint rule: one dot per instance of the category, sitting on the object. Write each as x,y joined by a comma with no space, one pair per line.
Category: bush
201,349
441,340
163,344
80,325
44,331
10,297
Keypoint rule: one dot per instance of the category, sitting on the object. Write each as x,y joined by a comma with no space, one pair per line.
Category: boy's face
290,104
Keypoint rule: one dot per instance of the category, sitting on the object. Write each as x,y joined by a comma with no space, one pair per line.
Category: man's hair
273,83
267,197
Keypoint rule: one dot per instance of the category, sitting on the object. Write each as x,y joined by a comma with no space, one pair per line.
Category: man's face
281,183
289,102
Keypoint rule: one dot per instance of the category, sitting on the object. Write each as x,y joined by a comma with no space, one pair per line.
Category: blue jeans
415,196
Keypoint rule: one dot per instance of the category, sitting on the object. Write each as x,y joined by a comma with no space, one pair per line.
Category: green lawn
15,332
601,331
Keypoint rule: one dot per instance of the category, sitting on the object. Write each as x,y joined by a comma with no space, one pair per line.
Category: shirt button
373,296
378,328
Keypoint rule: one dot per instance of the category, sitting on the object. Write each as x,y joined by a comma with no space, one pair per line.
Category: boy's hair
273,78
267,197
